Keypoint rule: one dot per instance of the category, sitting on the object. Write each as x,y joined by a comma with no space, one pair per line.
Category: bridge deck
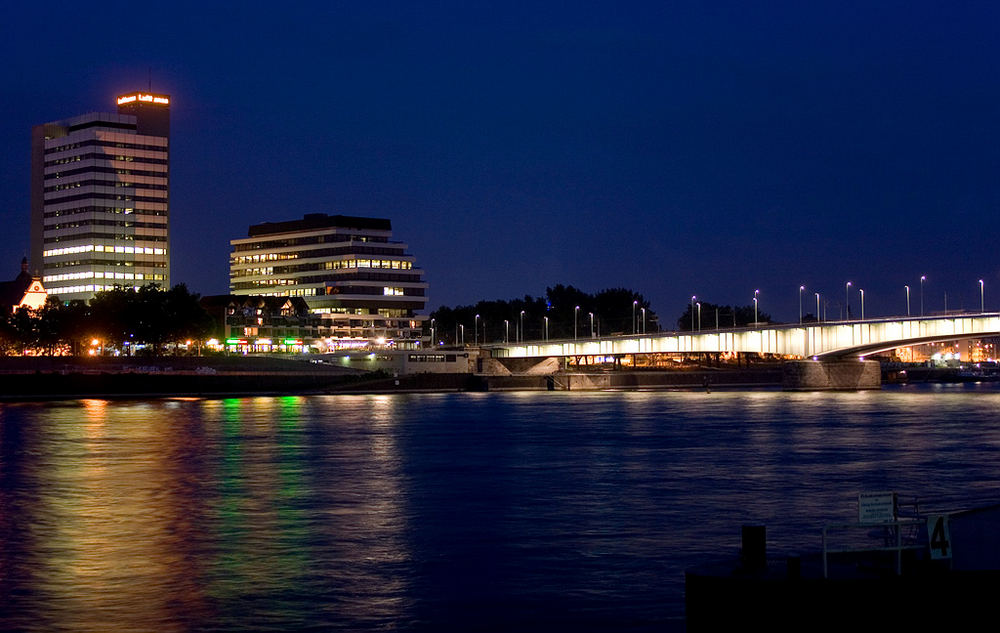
832,339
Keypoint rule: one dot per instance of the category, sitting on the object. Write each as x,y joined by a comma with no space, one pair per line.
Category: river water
445,512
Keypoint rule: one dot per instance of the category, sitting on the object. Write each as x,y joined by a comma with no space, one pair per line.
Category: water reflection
443,511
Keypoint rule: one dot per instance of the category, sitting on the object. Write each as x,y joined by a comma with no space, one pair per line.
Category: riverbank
56,378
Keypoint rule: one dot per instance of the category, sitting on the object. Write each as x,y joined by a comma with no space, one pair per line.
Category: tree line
118,319
564,310
727,316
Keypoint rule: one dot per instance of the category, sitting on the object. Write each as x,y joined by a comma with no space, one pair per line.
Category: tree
729,316
501,319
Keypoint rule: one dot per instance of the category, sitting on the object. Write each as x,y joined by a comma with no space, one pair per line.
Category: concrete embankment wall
810,375
584,381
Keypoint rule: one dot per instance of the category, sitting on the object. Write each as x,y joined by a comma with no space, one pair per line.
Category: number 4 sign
939,536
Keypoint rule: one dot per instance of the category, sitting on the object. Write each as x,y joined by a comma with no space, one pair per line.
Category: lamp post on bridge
462,325
546,328
755,311
432,333
982,301
635,327
923,278
576,313
699,315
475,330
692,311
847,300
591,324
817,307
506,331
862,303
643,310
907,300
801,288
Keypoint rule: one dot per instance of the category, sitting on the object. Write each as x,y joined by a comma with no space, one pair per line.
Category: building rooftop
313,221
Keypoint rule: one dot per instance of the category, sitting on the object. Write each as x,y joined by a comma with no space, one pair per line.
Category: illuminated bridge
830,341
824,340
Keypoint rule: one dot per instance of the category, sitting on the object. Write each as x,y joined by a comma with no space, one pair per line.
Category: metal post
923,278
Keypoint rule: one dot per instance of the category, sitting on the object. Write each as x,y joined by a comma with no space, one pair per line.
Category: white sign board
876,507
939,536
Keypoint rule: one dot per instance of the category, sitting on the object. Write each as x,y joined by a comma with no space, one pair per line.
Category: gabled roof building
24,291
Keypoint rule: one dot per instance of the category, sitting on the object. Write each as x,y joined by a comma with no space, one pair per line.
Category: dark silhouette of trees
120,319
500,319
729,316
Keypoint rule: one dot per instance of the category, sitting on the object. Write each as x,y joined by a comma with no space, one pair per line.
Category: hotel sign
144,97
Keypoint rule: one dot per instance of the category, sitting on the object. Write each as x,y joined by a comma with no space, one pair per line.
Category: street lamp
432,333
692,311
462,325
522,326
907,288
862,303
591,324
546,328
982,302
923,278
755,311
635,328
817,307
506,331
699,315
801,288
643,310
576,313
847,300
475,330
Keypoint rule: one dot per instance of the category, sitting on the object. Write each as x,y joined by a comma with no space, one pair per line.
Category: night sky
665,147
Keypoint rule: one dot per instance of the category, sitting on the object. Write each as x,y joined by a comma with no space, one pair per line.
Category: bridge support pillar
847,375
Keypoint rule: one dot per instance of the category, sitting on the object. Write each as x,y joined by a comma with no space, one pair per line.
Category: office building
366,287
100,199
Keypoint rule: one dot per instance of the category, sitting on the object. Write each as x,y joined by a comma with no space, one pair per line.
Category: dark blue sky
670,148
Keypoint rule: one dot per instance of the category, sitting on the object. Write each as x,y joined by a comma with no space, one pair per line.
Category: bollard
753,553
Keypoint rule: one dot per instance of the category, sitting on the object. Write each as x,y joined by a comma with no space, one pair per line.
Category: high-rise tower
100,198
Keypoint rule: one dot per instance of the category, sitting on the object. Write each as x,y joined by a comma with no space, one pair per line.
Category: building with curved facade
366,287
